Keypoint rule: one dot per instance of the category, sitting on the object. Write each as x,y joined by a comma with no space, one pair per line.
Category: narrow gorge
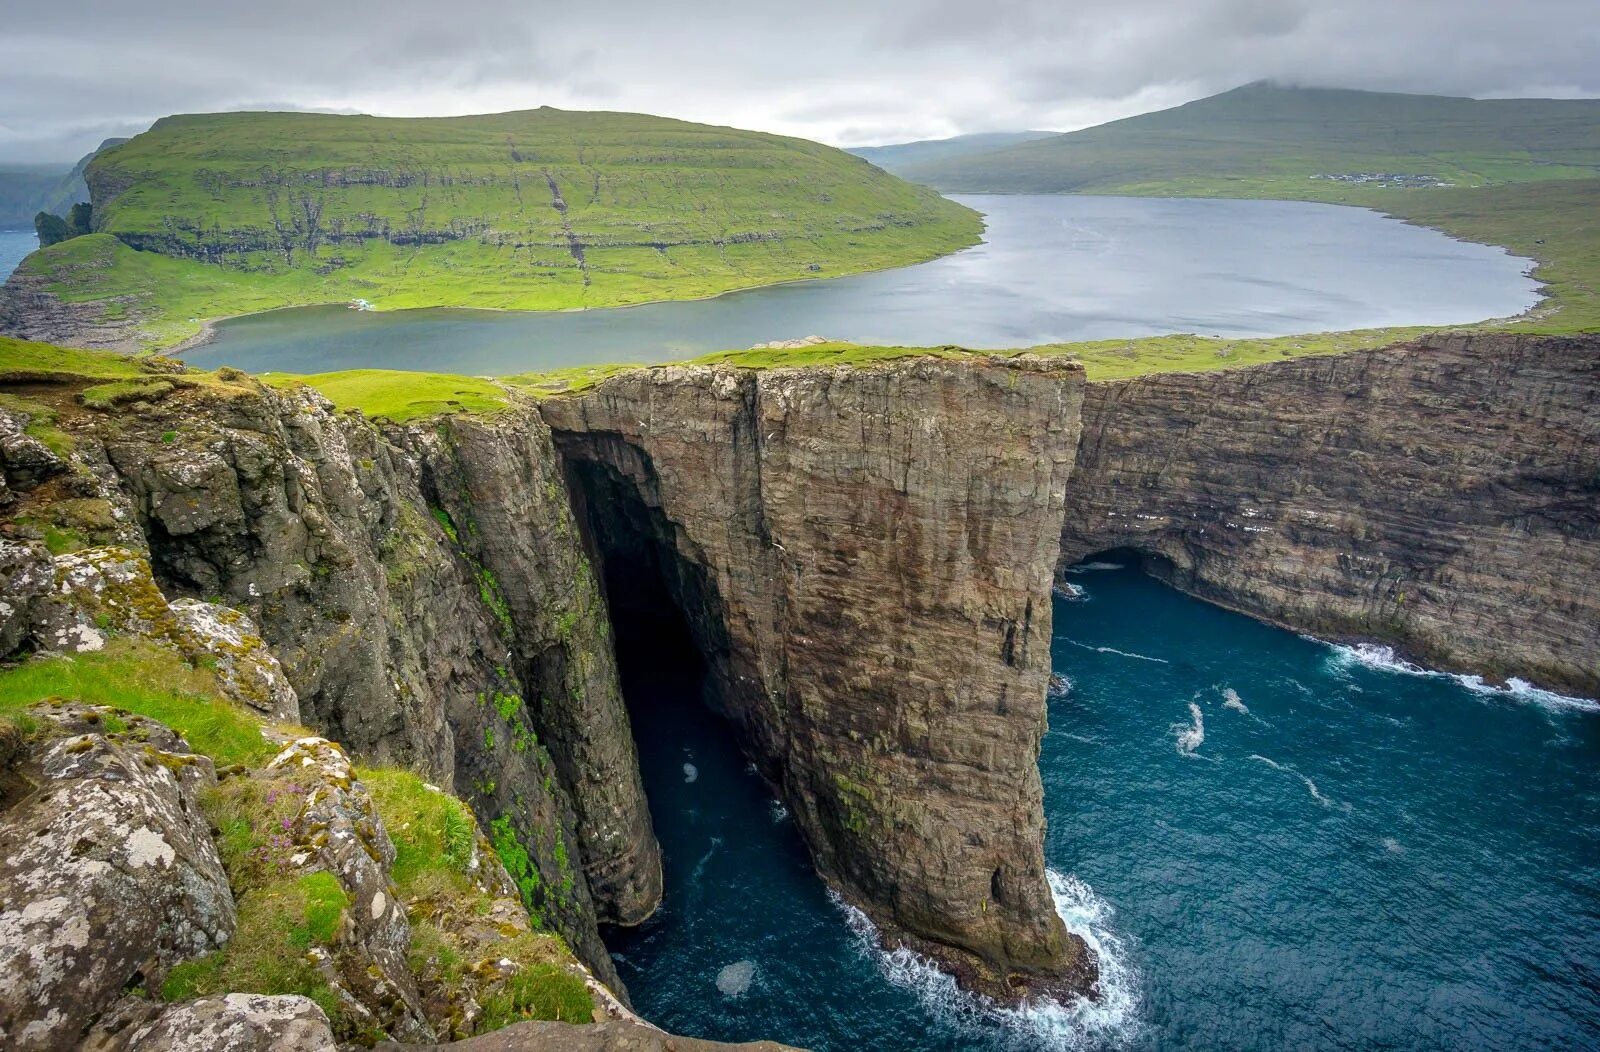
859,558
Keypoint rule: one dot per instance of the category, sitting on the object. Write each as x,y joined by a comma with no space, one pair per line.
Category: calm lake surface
14,244
1275,842
1053,268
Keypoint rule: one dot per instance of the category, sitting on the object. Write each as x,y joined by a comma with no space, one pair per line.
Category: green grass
539,991
432,831
403,396
24,361
1264,140
149,681
206,216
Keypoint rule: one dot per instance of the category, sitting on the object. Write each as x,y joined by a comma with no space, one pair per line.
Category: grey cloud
835,70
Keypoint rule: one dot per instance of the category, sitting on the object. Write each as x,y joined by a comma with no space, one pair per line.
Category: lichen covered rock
234,1022
108,874
245,668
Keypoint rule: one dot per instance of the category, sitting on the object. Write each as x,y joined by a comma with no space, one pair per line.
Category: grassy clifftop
210,215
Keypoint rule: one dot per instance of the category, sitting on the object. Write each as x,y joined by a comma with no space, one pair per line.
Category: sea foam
1113,1019
1191,735
1385,659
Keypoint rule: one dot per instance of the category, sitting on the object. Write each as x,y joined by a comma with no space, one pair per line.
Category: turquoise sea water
1275,842
14,244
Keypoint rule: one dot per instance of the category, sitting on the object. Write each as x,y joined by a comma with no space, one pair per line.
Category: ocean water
1052,268
1274,842
14,244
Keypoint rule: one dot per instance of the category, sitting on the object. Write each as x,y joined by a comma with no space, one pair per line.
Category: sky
846,72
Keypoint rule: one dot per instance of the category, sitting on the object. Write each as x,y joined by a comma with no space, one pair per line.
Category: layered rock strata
1442,497
863,557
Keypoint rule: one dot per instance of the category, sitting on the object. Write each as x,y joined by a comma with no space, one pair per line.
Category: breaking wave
1111,1020
1060,686
1191,735
1231,700
1385,659
1074,593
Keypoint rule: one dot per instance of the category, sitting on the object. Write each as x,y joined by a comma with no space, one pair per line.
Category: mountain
205,216
896,157
1267,140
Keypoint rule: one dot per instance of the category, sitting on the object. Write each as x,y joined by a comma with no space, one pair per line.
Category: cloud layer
76,71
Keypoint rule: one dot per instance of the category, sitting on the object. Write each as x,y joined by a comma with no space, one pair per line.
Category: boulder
235,1022
108,875
245,668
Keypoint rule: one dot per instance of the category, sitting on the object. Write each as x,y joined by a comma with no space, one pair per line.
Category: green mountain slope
896,157
211,215
1265,140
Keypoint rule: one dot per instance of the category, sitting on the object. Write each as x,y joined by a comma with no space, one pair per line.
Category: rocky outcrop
108,875
1442,497
863,556
235,1022
610,1036
392,627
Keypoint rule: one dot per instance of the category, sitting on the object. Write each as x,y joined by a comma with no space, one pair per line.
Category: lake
1052,269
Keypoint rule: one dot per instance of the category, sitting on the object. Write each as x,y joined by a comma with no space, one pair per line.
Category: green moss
514,856
147,680
119,392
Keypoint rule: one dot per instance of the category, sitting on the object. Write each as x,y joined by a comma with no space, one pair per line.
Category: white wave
1060,686
1231,700
1285,768
1385,659
1112,1019
1393,846
1070,592
777,811
734,980
1084,738
690,772
1114,650
1191,735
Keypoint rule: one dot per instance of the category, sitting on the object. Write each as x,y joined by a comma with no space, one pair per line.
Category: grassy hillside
1264,140
896,157
212,215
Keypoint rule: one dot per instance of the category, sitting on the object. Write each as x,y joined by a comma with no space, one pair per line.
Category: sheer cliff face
1443,497
863,557
427,594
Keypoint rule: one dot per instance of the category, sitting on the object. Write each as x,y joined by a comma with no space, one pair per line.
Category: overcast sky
848,72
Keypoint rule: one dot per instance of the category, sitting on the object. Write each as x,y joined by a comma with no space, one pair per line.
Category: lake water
14,244
1275,842
1053,268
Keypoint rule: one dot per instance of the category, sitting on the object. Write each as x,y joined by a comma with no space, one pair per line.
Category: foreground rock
863,556
611,1036
232,1022
108,876
1442,497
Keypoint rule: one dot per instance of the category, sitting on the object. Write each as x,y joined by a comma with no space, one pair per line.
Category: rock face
611,1036
1442,497
108,876
392,627
236,1022
863,558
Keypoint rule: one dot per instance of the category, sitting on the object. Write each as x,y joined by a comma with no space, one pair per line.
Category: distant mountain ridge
1264,136
26,190
896,157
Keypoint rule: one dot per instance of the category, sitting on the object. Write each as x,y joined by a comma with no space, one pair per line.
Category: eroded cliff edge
863,558
1442,497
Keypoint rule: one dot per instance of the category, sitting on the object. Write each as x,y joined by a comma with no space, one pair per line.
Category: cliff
1442,497
862,558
